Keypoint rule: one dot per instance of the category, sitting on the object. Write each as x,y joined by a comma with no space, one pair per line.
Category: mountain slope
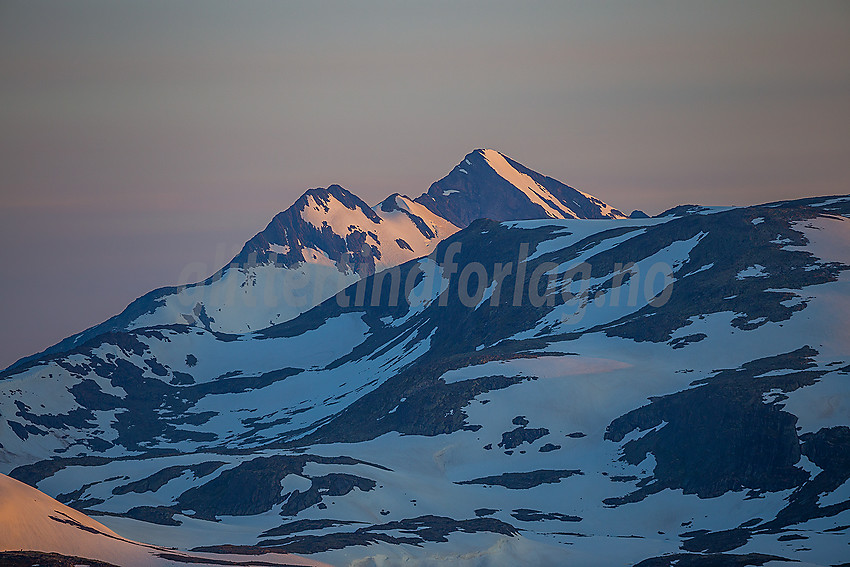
32,521
325,241
677,386
488,184
343,228
329,238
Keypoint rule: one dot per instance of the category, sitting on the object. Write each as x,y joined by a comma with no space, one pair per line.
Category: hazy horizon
138,139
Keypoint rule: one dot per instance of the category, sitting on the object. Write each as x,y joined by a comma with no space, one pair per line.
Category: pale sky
137,139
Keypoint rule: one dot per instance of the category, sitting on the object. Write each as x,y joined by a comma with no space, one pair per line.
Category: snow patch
279,248
754,271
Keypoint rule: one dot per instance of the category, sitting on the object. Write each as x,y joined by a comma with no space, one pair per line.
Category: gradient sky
142,140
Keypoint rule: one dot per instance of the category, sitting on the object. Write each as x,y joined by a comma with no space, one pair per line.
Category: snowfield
686,402
33,521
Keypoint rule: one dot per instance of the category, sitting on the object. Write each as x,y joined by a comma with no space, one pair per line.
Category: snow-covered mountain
559,391
325,241
488,184
337,226
38,530
330,238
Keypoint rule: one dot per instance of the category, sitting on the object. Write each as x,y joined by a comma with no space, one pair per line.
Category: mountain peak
322,200
489,184
329,238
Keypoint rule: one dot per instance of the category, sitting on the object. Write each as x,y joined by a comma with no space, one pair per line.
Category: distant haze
139,139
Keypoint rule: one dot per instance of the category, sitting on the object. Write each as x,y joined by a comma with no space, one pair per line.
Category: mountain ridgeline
329,238
487,184
516,385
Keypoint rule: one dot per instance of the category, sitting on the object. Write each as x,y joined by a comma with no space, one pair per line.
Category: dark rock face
526,515
720,435
516,437
523,480
710,560
161,515
303,526
254,487
250,488
829,449
473,190
704,541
